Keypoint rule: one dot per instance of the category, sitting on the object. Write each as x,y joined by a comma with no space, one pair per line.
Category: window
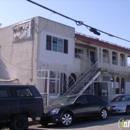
105,56
114,58
24,92
48,43
56,44
82,99
93,99
54,86
78,53
122,59
3,94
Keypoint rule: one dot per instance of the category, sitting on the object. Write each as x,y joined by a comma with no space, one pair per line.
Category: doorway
92,57
101,89
72,79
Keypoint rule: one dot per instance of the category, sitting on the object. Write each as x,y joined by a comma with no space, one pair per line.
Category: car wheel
67,119
19,122
127,110
103,114
43,122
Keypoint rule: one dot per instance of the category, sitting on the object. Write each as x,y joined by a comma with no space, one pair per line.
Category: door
92,57
81,106
4,104
103,90
96,84
94,105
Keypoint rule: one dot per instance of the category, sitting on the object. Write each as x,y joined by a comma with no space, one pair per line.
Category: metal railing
101,40
82,56
93,68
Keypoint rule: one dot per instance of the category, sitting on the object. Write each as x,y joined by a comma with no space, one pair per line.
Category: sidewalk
33,122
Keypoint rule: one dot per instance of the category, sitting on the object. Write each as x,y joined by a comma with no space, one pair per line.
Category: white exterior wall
115,68
17,59
56,60
22,59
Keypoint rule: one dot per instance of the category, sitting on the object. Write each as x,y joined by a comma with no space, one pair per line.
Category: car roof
123,95
77,95
14,85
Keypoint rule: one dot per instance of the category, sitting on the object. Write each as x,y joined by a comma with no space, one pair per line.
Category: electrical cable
13,64
79,23
44,26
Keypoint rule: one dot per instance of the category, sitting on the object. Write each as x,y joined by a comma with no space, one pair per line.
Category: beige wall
22,59
115,68
17,59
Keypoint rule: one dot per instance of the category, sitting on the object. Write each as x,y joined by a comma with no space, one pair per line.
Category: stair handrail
89,79
83,75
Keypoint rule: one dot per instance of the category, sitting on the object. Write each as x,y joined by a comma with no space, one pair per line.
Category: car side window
3,94
23,92
126,98
92,99
82,99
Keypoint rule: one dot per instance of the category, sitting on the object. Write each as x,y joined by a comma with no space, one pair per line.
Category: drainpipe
32,58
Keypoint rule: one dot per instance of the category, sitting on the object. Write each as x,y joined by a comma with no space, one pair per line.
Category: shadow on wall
3,70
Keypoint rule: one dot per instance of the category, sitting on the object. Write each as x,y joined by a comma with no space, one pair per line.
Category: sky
111,16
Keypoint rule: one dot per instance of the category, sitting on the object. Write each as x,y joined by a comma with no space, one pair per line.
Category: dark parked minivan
17,103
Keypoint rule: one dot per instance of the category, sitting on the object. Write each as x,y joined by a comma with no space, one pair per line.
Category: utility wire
14,65
79,23
44,26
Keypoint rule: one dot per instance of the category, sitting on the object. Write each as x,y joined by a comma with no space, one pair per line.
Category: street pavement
88,124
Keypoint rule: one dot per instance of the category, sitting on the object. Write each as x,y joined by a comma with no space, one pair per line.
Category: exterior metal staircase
84,81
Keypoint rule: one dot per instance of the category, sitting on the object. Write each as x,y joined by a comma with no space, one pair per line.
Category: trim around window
56,44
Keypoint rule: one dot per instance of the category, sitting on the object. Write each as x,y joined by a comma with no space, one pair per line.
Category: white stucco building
58,60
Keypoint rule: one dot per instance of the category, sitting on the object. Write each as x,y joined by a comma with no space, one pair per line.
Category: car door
94,104
4,104
81,106
25,100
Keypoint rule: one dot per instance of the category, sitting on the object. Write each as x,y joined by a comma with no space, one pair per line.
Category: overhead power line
79,23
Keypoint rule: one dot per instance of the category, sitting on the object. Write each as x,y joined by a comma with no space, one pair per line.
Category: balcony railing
105,60
81,56
114,62
122,63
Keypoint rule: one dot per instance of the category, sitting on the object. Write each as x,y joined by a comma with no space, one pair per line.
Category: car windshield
121,98
64,100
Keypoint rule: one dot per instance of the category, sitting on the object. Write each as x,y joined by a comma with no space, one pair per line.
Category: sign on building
22,31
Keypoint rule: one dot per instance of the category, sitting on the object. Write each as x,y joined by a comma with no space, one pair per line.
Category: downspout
33,38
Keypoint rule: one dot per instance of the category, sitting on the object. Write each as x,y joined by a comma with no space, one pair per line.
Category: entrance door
101,89
92,57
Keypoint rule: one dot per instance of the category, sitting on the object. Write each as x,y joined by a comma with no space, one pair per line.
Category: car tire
43,122
127,110
67,119
19,122
103,114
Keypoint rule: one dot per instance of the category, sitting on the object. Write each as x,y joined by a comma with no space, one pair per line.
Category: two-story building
60,61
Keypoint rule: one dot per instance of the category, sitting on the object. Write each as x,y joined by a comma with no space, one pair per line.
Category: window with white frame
56,44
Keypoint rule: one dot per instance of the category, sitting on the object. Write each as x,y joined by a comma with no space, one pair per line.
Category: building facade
54,57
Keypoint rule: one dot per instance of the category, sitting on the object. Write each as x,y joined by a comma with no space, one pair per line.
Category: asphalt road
90,124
